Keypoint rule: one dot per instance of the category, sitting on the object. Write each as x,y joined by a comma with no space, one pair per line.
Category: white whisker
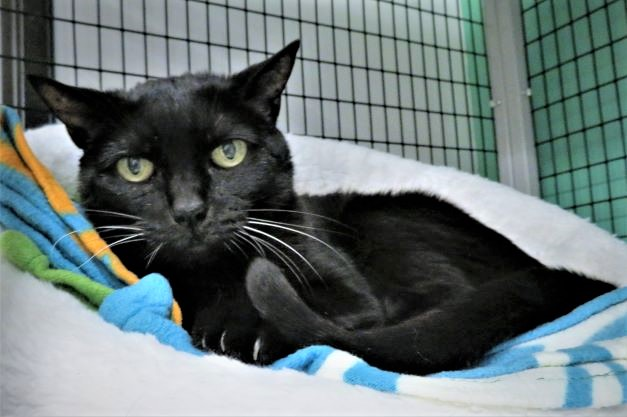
153,254
118,235
252,229
228,247
114,213
106,228
291,265
298,225
303,234
306,213
119,227
253,243
249,241
56,242
129,239
234,242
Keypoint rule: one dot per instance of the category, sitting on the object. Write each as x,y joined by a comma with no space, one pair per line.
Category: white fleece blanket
59,358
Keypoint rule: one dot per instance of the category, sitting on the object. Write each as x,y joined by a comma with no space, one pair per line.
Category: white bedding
58,358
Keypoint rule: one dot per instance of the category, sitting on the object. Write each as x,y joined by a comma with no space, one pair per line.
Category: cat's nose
189,211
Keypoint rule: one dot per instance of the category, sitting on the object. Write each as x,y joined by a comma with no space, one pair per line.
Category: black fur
408,282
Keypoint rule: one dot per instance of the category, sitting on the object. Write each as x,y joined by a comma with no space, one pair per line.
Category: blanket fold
576,361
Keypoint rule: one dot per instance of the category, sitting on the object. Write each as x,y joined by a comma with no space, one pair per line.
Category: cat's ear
264,82
82,110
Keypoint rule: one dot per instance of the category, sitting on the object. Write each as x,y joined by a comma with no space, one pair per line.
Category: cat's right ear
263,83
82,110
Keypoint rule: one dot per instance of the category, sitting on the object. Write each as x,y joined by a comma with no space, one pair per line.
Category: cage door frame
516,153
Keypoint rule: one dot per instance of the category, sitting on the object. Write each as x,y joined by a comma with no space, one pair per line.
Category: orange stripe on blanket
177,314
62,204
97,246
10,158
94,244
57,196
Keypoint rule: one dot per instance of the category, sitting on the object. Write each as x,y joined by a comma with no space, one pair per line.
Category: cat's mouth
200,241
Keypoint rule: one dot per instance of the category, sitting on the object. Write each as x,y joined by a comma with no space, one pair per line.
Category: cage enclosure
529,93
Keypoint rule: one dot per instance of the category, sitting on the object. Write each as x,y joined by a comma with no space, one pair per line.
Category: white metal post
518,166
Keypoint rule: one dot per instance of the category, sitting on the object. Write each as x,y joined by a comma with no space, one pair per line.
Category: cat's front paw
266,348
229,325
259,344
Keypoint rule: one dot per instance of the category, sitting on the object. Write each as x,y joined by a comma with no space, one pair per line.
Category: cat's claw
222,344
262,346
256,348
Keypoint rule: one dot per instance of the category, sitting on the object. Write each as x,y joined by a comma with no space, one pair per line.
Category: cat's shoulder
405,199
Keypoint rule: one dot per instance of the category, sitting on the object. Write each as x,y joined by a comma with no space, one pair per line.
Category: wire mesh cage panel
408,77
577,65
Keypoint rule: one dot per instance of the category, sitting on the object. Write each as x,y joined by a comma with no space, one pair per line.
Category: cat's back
415,233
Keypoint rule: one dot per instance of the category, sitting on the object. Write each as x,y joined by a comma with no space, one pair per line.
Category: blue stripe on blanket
576,316
38,221
504,362
144,307
579,388
77,222
587,353
609,331
308,360
363,374
560,372
11,221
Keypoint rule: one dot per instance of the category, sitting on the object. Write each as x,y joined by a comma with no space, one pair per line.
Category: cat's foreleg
228,324
454,335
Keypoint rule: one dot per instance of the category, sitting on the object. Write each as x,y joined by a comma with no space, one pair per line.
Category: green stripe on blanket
52,239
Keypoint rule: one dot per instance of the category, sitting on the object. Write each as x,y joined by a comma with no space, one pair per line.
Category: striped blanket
579,360
34,204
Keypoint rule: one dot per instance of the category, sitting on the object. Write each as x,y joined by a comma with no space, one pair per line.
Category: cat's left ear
264,82
83,111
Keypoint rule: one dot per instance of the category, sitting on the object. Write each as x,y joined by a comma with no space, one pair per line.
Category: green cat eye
135,169
229,154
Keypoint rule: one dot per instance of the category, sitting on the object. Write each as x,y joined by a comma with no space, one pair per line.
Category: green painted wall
476,69
577,64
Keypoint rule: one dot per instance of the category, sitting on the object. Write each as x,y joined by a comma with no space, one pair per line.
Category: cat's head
187,155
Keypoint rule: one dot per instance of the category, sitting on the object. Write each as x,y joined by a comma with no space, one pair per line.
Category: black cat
188,176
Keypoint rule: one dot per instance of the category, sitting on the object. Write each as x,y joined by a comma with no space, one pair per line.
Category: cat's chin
201,248
196,249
